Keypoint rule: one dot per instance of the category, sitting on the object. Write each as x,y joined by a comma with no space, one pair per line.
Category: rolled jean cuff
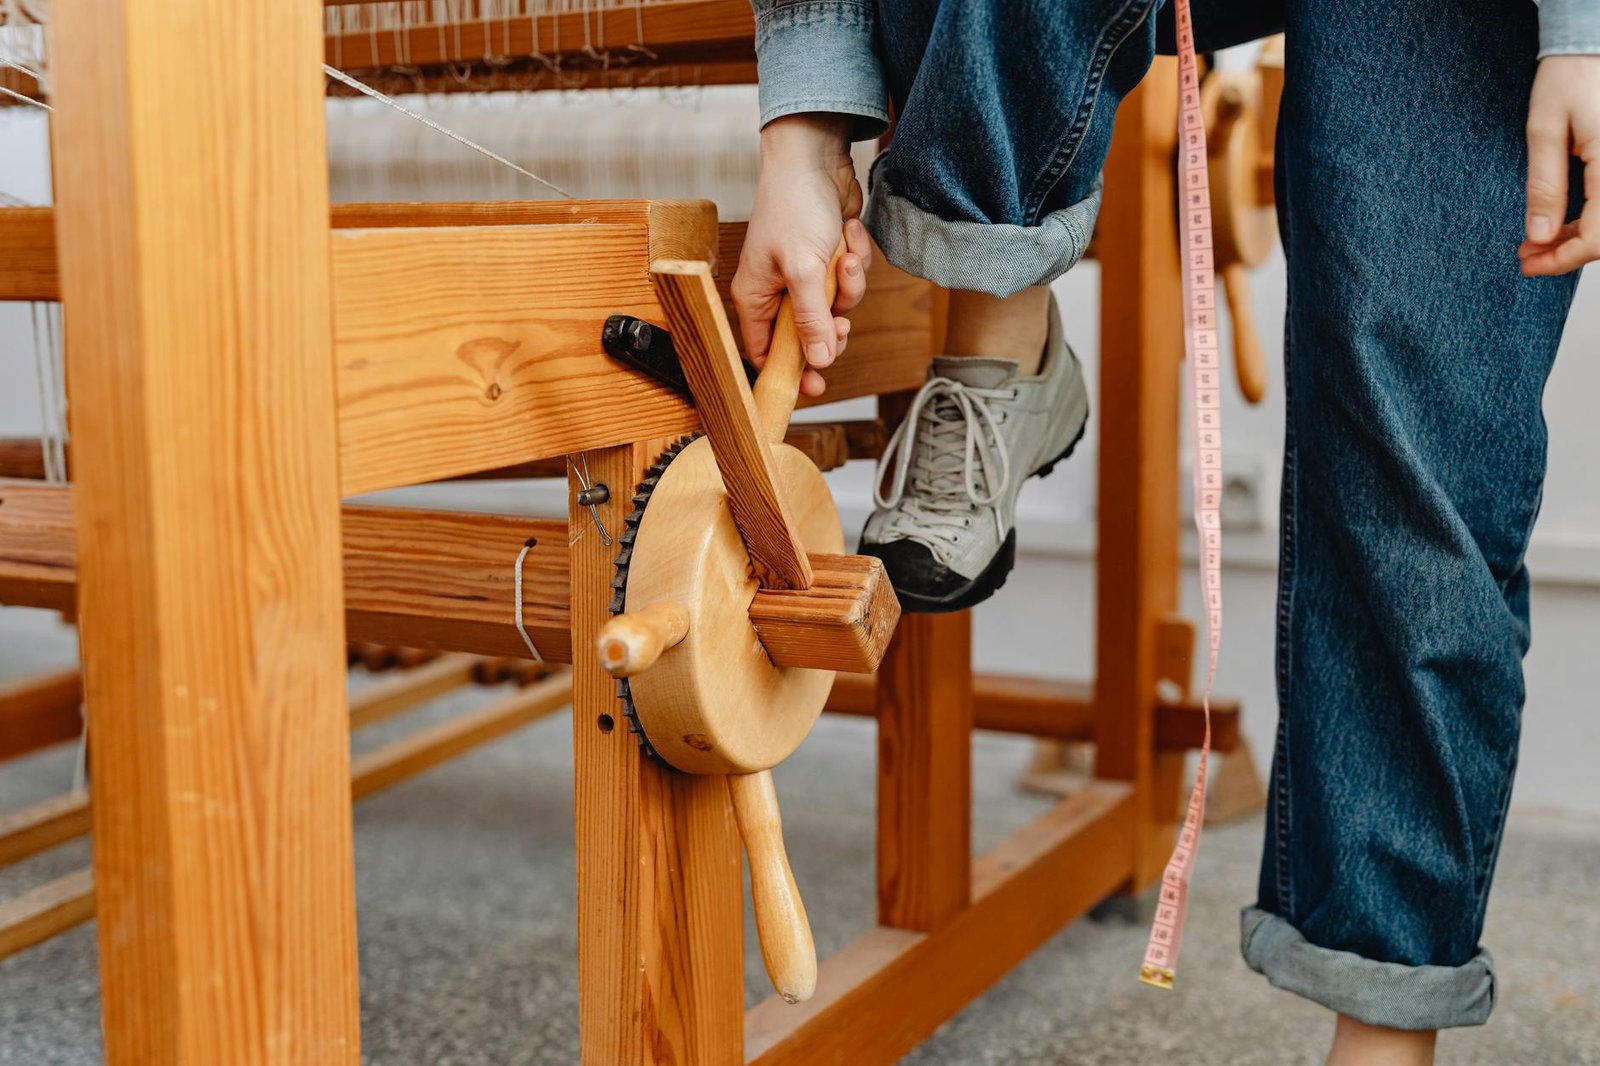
1379,993
995,258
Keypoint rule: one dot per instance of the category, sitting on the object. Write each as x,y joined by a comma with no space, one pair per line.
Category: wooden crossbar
59,905
884,993
36,712
698,30
466,336
1058,710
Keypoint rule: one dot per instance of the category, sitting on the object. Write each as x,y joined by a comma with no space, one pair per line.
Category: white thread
25,99
517,591
341,76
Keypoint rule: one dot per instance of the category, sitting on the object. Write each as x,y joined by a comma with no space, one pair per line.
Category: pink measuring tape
1205,391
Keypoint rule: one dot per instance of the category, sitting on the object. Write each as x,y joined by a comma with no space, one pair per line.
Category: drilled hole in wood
607,723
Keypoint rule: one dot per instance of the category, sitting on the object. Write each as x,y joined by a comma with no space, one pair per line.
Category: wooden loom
464,340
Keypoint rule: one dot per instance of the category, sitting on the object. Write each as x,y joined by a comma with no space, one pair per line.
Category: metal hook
591,495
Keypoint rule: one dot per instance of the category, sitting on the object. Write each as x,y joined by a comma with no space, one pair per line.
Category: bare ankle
1013,327
1359,1044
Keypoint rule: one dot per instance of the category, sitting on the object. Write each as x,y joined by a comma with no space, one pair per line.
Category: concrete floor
465,883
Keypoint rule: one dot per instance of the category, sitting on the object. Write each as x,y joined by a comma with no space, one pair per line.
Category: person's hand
807,191
1563,121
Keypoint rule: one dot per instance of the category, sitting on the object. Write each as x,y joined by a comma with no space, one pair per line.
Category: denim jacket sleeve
820,55
1569,27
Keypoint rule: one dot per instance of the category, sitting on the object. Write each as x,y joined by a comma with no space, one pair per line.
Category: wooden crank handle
1248,362
631,642
778,387
785,934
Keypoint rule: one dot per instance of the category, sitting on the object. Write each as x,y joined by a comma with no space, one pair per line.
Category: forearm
818,56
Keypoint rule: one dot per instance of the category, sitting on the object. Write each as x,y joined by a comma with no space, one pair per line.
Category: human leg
1416,361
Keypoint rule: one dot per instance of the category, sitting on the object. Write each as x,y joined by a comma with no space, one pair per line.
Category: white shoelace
949,437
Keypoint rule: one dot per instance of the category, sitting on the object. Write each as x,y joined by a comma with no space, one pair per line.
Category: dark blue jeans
1416,359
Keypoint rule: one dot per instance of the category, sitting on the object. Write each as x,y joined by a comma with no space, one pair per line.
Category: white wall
1045,614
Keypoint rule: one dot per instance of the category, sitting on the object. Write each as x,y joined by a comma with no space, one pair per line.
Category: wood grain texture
42,826
1057,709
733,423
425,579
781,924
1137,567
28,250
36,712
660,899
194,262
842,622
717,703
884,993
924,697
46,911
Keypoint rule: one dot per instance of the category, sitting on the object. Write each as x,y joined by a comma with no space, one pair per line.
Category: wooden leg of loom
199,353
660,898
924,695
1141,351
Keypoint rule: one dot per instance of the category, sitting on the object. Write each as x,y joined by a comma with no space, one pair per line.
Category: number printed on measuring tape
1205,393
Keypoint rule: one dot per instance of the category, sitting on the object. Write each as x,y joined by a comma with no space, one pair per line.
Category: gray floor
467,948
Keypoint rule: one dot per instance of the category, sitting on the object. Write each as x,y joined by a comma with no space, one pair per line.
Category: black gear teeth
619,581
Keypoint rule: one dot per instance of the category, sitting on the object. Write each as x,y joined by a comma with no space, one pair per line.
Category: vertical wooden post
924,695
660,895
925,715
193,231
1141,352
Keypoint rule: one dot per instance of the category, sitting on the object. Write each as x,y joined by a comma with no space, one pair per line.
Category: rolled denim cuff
818,55
1378,993
995,258
1569,27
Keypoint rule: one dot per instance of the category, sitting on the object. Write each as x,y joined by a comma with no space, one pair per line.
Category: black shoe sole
993,577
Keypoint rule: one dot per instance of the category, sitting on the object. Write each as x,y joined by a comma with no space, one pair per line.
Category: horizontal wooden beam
37,712
59,905
43,826
443,580
1058,710
46,911
467,335
1039,879
425,579
620,35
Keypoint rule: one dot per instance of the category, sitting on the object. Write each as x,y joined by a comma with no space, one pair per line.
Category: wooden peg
1249,365
778,387
632,642
842,622
785,933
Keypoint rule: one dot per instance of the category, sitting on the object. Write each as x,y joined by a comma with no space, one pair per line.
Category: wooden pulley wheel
736,604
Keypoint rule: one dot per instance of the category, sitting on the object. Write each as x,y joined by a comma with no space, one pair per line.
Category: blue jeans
1416,358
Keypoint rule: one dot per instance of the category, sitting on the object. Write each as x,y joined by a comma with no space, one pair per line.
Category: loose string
383,98
517,593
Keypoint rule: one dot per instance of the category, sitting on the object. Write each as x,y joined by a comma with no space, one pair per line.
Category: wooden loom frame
222,840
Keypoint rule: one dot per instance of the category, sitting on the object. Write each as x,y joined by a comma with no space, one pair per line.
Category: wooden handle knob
781,924
1248,362
778,387
630,643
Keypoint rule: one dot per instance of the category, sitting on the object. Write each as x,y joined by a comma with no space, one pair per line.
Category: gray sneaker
949,477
